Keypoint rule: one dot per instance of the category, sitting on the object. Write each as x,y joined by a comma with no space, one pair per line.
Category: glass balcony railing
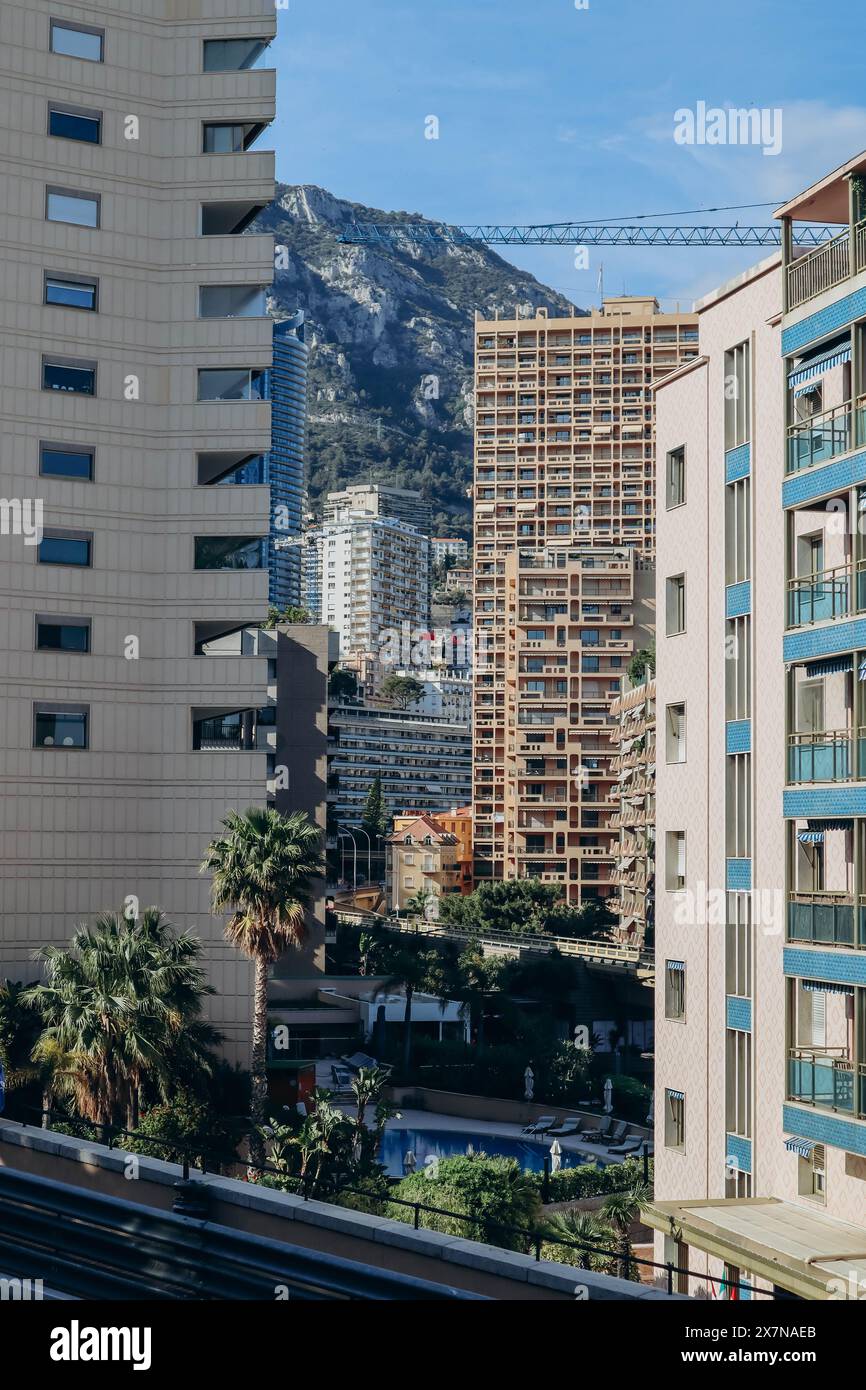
817,597
824,918
823,1077
829,756
820,438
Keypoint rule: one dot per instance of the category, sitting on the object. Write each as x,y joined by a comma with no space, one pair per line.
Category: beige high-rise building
563,581
135,347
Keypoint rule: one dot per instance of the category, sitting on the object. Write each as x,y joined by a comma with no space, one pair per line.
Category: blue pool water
445,1143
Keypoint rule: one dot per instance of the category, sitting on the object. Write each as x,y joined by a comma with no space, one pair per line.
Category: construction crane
429,235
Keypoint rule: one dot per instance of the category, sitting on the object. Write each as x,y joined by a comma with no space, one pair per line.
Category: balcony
821,269
825,1078
824,595
826,918
828,756
822,437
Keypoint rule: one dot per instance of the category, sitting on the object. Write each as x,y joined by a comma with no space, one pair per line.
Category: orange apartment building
563,577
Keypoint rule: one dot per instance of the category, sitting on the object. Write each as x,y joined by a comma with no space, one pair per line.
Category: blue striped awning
819,365
825,987
676,1095
830,665
823,825
861,670
804,1147
806,390
676,965
810,837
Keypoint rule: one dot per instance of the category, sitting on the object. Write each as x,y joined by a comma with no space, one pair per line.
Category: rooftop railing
820,270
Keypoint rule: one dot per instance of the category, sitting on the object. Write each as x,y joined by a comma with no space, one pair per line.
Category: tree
19,1029
486,1195
402,691
407,961
375,817
285,617
343,685
120,1006
262,870
643,663
621,1210
587,1228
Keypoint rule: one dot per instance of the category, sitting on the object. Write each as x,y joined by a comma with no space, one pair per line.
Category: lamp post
347,835
361,831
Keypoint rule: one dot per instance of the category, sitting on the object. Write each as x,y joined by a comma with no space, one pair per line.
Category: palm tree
587,1228
407,965
262,871
622,1209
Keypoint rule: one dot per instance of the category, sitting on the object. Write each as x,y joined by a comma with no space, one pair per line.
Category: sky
548,112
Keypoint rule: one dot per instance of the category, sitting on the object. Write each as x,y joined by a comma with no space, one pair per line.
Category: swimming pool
445,1143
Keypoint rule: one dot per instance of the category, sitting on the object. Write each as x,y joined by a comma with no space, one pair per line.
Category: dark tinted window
60,728
57,376
71,125
57,461
64,550
62,637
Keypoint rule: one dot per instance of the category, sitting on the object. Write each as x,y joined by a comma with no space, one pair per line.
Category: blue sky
550,113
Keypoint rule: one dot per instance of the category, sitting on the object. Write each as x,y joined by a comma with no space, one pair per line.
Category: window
675,990
738,945
60,726
676,605
65,548
75,123
231,384
62,634
738,1082
227,219
77,41
66,461
232,55
65,205
675,860
676,476
230,552
71,291
69,374
675,734
675,1120
231,302
738,806
738,522
230,137
812,1174
738,668
737,397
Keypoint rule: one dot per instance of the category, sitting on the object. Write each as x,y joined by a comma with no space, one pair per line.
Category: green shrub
485,1194
191,1128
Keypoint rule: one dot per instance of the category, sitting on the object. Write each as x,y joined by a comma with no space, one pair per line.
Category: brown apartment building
563,576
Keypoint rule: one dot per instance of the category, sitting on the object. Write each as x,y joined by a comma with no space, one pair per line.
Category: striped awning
818,365
676,965
823,825
810,837
861,670
803,1147
806,390
676,1095
830,665
826,987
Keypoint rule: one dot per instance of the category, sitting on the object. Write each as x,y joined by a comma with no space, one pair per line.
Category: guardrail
98,1247
603,951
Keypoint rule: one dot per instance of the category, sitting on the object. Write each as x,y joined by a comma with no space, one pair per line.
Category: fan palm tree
588,1229
262,870
622,1209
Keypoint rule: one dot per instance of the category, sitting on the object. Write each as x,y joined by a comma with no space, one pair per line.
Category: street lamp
361,831
347,835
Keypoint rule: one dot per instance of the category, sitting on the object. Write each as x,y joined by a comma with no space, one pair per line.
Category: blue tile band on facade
739,876
738,462
739,1013
812,483
738,736
824,1129
738,599
829,320
835,967
738,1153
824,802
824,641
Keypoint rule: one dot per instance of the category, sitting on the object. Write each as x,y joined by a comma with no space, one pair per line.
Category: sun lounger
632,1145
539,1126
617,1134
572,1127
598,1136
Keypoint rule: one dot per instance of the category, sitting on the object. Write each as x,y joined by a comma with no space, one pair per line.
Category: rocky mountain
390,332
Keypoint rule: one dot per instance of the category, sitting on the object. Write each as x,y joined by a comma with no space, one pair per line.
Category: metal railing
823,1077
820,270
826,918
819,438
819,596
828,756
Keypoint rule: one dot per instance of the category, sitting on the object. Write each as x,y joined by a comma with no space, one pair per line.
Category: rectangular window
738,1083
62,634
65,548
68,374
231,302
65,205
675,615
738,527
71,291
77,41
675,990
66,461
232,55
675,860
675,734
738,668
227,138
231,384
738,806
738,407
812,1174
60,726
230,552
675,1120
676,475
75,123
738,946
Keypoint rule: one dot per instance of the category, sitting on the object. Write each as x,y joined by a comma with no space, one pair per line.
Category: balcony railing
825,918
820,270
816,597
860,245
828,756
820,438
823,1077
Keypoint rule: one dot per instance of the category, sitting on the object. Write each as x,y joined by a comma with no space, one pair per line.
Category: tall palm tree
622,1209
262,871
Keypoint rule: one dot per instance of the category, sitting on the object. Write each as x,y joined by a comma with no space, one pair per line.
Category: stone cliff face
390,336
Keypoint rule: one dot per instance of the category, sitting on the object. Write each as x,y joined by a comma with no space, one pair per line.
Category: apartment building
450,548
564,540
379,499
373,581
287,475
760,1175
634,764
422,862
135,349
